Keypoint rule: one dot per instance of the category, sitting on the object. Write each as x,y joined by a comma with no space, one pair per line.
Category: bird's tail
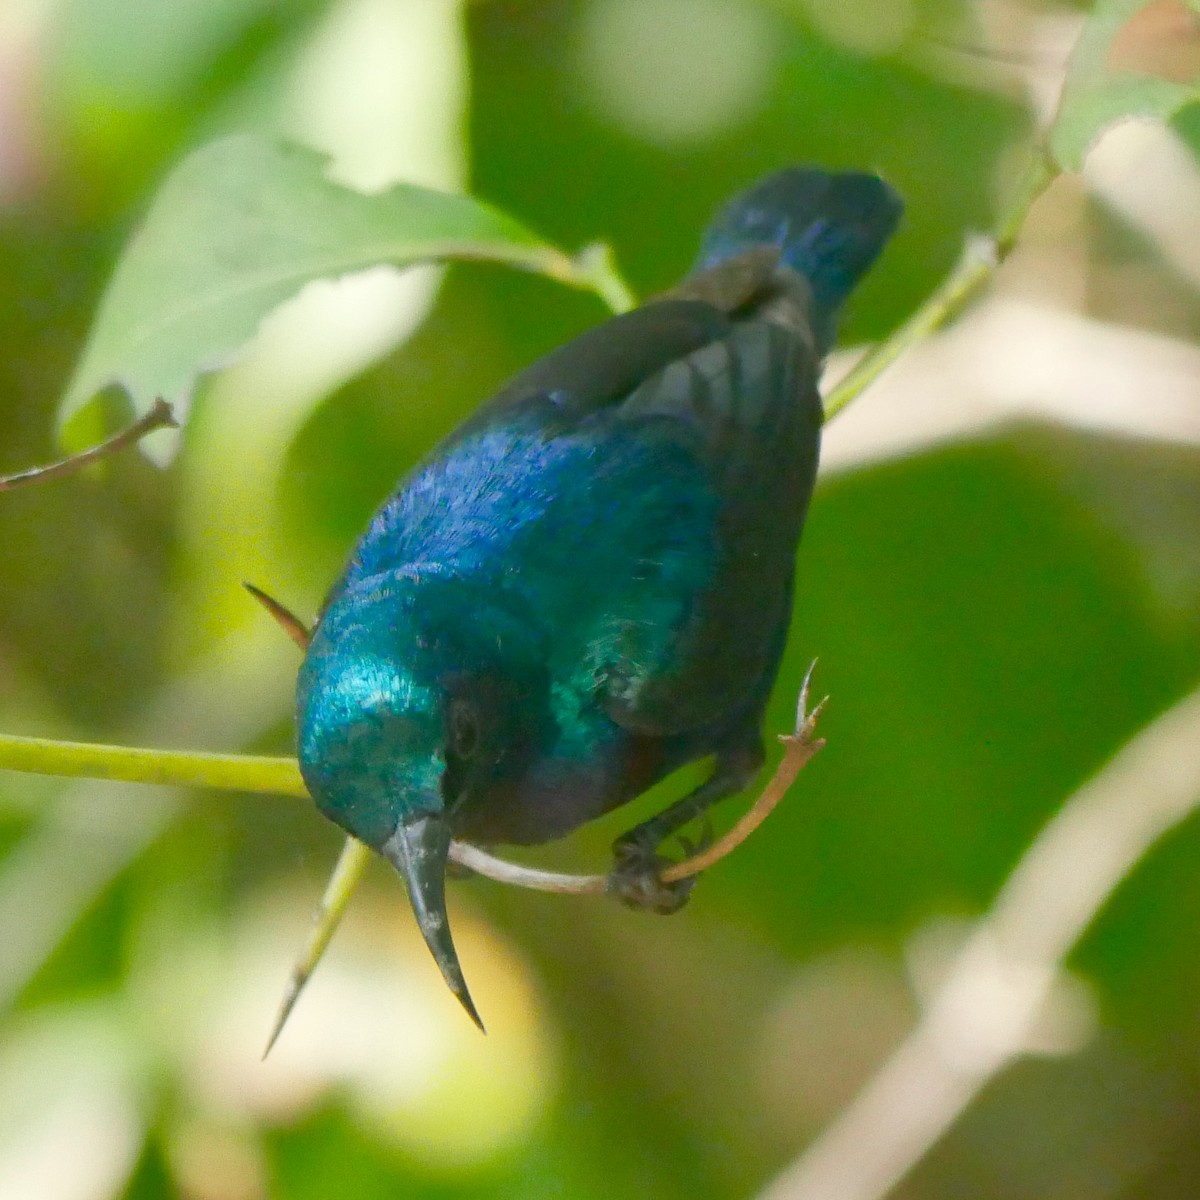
828,227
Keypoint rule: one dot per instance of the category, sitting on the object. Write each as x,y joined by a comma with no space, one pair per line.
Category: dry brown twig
159,416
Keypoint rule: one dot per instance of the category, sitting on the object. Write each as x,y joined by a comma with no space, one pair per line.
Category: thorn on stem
290,996
347,874
285,618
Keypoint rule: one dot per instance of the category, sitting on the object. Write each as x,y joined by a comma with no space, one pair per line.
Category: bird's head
415,694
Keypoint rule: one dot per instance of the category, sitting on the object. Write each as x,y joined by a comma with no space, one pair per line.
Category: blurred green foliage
993,617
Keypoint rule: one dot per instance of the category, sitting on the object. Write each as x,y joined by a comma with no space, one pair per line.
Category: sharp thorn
347,873
284,617
290,996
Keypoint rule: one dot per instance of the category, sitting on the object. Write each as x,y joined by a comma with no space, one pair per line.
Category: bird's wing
682,452
604,365
746,407
601,366
594,371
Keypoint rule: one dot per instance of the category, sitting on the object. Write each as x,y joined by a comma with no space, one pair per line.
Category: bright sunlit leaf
1131,61
241,226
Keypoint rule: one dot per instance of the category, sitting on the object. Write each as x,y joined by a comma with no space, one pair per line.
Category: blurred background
1001,576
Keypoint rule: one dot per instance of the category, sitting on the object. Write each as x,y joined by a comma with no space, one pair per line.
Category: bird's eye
464,729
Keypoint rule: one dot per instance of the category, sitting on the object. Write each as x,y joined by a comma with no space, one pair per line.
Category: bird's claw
806,719
636,878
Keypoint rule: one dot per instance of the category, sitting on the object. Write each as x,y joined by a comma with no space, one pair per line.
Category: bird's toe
636,879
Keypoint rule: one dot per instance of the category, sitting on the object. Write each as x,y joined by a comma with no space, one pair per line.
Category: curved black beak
418,850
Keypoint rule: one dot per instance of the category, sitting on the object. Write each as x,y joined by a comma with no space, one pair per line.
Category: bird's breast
563,789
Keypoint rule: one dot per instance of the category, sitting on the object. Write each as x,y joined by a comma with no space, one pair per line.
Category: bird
588,584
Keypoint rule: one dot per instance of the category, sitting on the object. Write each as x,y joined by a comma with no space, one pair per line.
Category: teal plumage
589,583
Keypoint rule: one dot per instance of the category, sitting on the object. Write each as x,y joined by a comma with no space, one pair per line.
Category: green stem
132,764
980,261
596,268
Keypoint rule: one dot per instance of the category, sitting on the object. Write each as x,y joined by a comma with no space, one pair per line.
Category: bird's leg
635,876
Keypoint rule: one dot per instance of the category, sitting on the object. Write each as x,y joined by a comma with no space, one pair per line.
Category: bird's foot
704,839
636,876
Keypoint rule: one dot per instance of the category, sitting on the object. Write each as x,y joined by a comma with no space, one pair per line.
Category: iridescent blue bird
588,584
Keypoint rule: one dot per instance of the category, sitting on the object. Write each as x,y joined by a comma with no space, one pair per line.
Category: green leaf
1099,91
241,226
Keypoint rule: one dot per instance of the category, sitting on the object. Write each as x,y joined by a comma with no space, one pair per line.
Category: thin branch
982,1016
130,764
980,261
800,747
502,870
159,417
